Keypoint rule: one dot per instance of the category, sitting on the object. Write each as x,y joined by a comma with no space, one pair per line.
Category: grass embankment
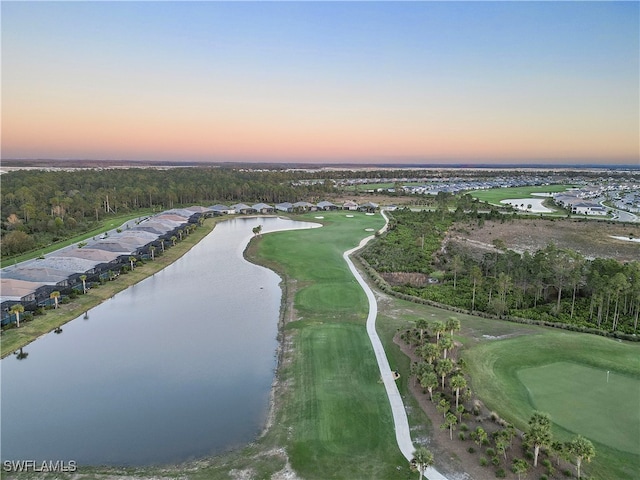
106,225
15,338
336,412
495,195
503,377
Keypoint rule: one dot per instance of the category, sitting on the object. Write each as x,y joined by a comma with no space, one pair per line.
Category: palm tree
430,352
83,278
173,240
443,407
423,459
132,261
457,383
152,249
581,448
257,230
429,380
479,435
438,328
446,343
421,325
520,467
16,310
444,368
453,325
539,434
55,295
450,421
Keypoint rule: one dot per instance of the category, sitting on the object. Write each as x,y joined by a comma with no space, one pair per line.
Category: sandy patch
626,239
528,205
319,217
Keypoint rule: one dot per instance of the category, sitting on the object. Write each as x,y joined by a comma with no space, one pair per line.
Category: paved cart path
403,436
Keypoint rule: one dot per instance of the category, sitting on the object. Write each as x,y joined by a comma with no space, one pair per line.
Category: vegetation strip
403,436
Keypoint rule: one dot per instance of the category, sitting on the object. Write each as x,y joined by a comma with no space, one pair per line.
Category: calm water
176,367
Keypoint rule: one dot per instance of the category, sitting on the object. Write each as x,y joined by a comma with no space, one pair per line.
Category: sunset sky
371,82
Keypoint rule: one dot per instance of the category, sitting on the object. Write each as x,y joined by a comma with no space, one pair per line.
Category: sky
357,82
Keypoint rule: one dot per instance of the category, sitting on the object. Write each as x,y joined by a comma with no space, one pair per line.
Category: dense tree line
549,285
39,206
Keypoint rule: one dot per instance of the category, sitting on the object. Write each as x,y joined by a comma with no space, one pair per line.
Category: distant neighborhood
103,258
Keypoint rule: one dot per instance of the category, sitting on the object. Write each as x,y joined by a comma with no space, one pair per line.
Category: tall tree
539,433
443,368
453,325
83,279
429,380
438,328
520,467
582,449
55,295
16,309
423,459
476,278
458,383
421,325
450,421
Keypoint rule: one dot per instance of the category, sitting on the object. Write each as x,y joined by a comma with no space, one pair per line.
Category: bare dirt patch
406,278
592,238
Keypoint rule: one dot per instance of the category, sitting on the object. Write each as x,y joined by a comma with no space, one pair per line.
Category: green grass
558,389
106,225
494,195
338,416
496,366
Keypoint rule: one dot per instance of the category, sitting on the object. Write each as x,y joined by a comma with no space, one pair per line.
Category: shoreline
65,313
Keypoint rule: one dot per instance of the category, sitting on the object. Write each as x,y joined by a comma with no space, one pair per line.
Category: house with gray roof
284,207
263,208
324,205
243,208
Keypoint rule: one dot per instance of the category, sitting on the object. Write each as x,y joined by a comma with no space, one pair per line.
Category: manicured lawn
496,368
494,195
337,413
579,399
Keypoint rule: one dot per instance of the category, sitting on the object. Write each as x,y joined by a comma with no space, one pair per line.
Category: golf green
600,404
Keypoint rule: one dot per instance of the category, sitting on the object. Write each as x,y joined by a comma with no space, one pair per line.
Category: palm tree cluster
441,375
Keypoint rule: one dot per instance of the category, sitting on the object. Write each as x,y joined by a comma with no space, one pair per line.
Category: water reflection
175,367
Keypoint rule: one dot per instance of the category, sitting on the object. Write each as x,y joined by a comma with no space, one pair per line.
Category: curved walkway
403,435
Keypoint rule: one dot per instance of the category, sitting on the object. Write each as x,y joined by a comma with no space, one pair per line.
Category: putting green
580,399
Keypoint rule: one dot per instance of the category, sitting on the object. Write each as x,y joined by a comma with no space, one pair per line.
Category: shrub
462,436
471,450
544,477
463,427
483,462
528,455
491,452
546,463
500,473
567,473
495,461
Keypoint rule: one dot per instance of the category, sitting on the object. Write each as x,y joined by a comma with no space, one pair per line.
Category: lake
176,367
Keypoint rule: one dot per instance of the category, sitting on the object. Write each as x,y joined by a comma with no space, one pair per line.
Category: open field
592,238
494,195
